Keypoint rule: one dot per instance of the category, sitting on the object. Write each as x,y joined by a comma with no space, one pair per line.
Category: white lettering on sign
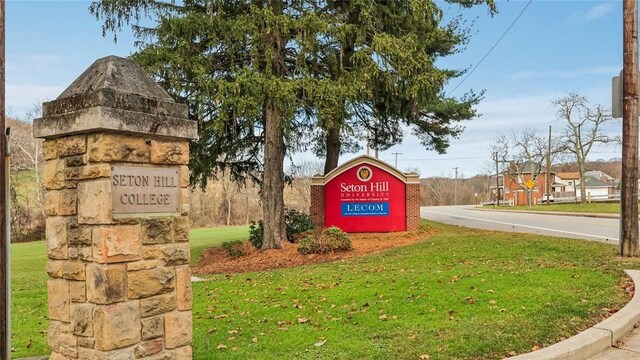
141,189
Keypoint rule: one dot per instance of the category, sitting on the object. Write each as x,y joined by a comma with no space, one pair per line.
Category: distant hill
612,167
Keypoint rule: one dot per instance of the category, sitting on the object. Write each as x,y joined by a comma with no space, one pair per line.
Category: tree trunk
273,183
228,211
333,149
583,186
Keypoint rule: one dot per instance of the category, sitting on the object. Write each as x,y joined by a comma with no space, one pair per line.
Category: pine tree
260,76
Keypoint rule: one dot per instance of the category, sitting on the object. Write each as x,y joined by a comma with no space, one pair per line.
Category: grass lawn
461,294
202,239
602,208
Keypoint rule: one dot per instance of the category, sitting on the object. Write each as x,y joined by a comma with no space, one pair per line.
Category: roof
593,182
568,175
365,159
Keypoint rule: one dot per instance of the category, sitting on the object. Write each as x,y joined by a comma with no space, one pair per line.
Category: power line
493,47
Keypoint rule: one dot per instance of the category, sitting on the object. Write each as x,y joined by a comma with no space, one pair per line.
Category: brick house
513,188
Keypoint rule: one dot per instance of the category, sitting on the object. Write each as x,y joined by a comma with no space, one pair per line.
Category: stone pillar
117,203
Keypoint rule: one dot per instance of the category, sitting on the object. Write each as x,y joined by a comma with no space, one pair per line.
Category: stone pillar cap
114,94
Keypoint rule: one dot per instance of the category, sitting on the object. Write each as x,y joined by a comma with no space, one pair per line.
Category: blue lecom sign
365,209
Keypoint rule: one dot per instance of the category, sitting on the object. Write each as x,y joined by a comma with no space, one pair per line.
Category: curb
597,338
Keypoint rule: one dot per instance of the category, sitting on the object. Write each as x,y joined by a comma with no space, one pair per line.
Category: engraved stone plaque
145,190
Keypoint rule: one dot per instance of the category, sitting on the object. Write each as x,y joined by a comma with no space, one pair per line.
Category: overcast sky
554,48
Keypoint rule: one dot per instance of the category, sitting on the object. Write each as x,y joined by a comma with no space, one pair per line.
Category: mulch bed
216,260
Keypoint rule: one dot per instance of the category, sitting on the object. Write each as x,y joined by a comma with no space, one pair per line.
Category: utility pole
497,181
396,154
5,321
547,182
629,184
455,187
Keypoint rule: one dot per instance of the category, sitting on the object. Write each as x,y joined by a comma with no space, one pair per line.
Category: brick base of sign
413,207
317,205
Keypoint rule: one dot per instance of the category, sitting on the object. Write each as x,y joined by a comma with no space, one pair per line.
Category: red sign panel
366,198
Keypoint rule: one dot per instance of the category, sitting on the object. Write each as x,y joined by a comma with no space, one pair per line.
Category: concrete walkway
626,349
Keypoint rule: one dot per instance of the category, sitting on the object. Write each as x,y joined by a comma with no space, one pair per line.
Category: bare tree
583,129
525,153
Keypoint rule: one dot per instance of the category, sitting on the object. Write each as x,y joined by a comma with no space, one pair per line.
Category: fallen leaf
254,339
394,317
535,347
221,316
412,337
471,300
232,331
222,347
383,317
235,348
302,320
211,330
320,343
512,353
424,357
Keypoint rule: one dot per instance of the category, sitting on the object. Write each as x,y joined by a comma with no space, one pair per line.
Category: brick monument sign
366,195
117,203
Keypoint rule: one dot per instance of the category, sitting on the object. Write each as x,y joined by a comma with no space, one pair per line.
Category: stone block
119,243
82,319
148,348
177,329
146,283
78,291
111,147
157,305
165,355
70,270
58,299
61,339
169,152
60,202
184,353
157,231
185,205
117,325
77,160
49,149
80,253
80,235
176,254
184,293
56,234
120,354
181,225
184,176
152,328
95,171
106,284
53,174
94,202
143,265
84,342
72,145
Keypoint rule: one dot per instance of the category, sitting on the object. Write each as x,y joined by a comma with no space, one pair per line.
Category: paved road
598,229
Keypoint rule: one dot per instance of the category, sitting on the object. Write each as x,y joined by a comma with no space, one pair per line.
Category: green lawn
601,208
462,294
202,239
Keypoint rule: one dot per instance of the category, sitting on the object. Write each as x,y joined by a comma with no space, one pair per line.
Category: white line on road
524,226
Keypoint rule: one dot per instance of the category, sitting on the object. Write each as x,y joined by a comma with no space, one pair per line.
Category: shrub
295,221
256,233
328,240
235,249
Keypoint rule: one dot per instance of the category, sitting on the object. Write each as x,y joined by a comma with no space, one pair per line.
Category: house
597,188
514,190
600,176
569,181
